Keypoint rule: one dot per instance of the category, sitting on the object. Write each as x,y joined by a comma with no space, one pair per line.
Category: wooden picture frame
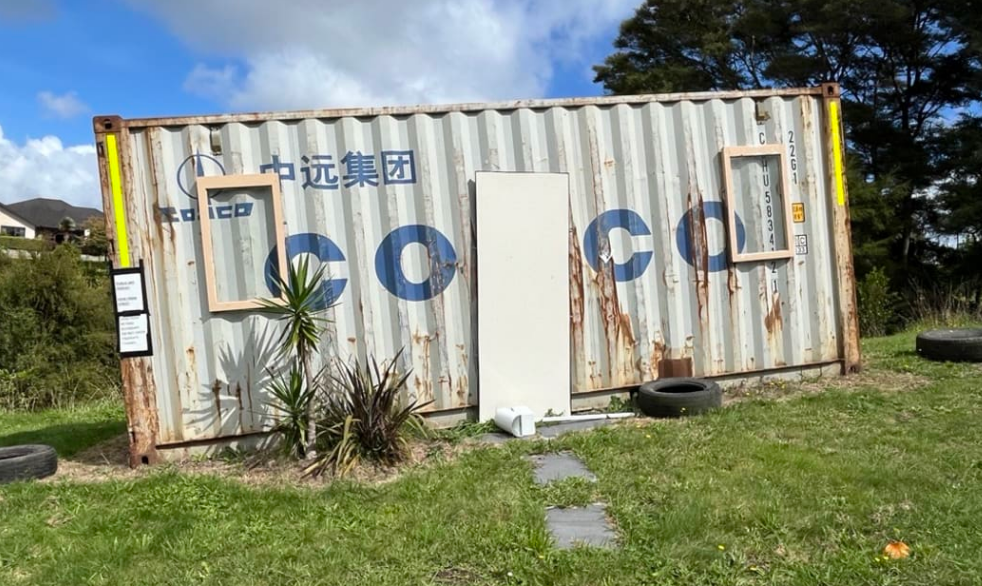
767,150
270,181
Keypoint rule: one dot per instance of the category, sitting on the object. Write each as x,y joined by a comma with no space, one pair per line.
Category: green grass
69,431
801,491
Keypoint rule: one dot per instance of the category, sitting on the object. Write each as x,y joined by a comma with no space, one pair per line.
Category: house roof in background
13,213
48,213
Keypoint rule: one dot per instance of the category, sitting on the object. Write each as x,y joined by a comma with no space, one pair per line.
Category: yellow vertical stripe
119,209
840,184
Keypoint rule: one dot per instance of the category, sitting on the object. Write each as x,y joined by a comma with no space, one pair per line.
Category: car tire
955,345
27,462
676,397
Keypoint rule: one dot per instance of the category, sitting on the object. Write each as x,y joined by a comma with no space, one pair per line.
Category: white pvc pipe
588,417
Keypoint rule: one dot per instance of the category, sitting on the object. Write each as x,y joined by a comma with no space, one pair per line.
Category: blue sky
63,61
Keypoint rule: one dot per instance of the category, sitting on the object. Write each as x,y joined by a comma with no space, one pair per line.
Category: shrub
299,309
292,402
877,304
57,340
944,305
29,244
362,418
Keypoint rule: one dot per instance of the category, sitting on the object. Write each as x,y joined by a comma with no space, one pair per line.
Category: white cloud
64,106
311,54
44,167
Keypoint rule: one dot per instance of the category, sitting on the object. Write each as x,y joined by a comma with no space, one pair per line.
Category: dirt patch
109,461
782,390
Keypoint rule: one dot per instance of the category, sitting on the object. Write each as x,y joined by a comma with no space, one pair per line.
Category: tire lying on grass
960,345
675,397
27,462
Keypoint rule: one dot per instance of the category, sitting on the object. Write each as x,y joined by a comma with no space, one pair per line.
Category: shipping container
708,236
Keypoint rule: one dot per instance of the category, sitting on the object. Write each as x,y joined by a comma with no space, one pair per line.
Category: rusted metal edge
466,107
729,375
212,440
845,277
139,395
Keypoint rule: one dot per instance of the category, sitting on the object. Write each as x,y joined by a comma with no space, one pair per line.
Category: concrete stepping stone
585,526
550,467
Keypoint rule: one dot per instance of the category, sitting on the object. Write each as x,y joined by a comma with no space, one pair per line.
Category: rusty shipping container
669,273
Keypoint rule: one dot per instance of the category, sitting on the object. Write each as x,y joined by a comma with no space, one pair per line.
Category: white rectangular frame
523,332
767,150
206,184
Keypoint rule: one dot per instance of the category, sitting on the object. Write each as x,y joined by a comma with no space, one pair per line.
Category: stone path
574,525
549,467
586,526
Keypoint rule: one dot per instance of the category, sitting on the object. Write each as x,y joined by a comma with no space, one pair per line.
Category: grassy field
805,489
68,431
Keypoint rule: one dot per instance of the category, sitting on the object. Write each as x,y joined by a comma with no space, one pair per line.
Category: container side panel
386,203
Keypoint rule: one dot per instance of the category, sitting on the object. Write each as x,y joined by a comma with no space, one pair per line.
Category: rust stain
658,351
248,389
461,391
620,341
576,308
422,380
216,391
774,320
462,387
700,253
140,393
191,374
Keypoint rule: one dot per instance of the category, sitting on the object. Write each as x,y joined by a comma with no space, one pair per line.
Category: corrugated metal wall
391,213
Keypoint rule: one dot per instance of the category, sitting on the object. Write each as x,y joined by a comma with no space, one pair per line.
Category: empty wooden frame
769,150
207,189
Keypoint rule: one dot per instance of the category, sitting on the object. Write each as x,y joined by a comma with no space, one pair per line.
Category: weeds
944,306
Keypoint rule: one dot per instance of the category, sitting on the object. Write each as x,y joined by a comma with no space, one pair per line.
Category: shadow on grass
67,439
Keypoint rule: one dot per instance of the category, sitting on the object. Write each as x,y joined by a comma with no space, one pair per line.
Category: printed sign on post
128,291
132,312
134,334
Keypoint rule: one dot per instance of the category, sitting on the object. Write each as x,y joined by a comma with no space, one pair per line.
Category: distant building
12,224
45,218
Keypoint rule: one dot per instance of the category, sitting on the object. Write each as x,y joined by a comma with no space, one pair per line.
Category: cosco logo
443,257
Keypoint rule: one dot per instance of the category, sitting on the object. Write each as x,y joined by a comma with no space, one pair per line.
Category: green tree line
910,74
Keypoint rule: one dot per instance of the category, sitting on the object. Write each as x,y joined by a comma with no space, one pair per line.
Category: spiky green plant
299,308
363,418
292,402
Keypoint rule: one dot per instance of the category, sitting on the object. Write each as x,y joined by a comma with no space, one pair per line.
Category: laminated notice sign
134,335
132,312
128,291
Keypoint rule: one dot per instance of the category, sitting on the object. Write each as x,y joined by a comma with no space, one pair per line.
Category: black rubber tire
677,397
961,345
27,462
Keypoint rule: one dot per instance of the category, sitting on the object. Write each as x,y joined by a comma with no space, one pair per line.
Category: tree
902,65
96,243
959,199
67,224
